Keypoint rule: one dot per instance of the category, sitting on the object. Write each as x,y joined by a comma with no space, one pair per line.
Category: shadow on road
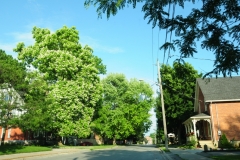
131,152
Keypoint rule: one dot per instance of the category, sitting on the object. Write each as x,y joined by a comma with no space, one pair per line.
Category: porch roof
200,116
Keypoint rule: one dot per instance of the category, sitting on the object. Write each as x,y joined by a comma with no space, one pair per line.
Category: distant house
149,140
217,102
10,97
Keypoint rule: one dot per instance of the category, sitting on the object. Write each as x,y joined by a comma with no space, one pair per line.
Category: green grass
13,149
21,149
164,149
226,157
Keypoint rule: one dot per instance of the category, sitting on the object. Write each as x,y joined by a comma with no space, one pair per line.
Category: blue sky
125,42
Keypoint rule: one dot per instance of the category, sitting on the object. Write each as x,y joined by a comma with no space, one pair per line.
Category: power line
171,31
158,44
193,58
169,5
152,55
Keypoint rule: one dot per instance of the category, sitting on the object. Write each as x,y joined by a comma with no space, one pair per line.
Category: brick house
149,140
217,104
9,96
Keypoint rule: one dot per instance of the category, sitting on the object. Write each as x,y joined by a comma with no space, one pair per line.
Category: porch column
210,127
189,127
194,127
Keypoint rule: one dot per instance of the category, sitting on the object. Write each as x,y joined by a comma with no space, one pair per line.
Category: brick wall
226,117
15,134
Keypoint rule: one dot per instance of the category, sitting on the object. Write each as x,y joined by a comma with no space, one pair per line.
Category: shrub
192,143
224,143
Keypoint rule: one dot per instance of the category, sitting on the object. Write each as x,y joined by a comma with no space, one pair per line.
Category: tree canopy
178,90
12,71
12,82
125,107
66,80
215,26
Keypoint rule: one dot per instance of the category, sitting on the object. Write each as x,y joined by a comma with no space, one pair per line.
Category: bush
193,143
224,143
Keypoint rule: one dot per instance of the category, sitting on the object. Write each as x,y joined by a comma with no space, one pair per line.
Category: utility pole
163,109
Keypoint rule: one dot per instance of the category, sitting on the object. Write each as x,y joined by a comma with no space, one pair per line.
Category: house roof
201,115
221,88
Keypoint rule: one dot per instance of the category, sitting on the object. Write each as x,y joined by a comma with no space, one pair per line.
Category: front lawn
13,149
226,157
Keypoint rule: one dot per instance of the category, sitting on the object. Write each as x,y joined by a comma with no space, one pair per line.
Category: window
7,97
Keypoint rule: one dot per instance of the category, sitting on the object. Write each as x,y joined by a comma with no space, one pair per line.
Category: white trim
2,132
226,100
9,132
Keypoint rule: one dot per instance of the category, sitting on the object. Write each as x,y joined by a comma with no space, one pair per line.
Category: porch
199,127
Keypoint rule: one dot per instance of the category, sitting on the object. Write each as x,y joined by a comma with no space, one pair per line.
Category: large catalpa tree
67,81
215,25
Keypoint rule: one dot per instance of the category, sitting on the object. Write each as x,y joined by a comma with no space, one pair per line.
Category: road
143,152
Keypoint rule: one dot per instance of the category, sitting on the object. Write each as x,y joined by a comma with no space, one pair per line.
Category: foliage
214,24
12,72
192,143
11,84
164,149
224,143
12,89
37,105
64,85
178,90
125,107
153,136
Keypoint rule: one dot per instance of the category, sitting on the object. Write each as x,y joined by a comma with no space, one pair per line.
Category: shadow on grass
13,149
10,149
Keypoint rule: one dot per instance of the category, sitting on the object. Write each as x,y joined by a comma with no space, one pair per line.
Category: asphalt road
144,152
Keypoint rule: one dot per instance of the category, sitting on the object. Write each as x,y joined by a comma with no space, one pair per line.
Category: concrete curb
166,156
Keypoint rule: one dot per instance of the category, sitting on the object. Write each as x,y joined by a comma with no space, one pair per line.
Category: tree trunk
114,141
3,136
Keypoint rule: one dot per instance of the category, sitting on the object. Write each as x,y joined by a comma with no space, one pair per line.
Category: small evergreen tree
224,143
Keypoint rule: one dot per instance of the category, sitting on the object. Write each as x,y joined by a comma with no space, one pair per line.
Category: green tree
10,103
214,25
37,105
12,72
66,82
153,136
178,90
125,107
12,75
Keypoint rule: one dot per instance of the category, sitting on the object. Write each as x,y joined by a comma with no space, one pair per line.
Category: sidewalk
189,154
23,156
194,154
